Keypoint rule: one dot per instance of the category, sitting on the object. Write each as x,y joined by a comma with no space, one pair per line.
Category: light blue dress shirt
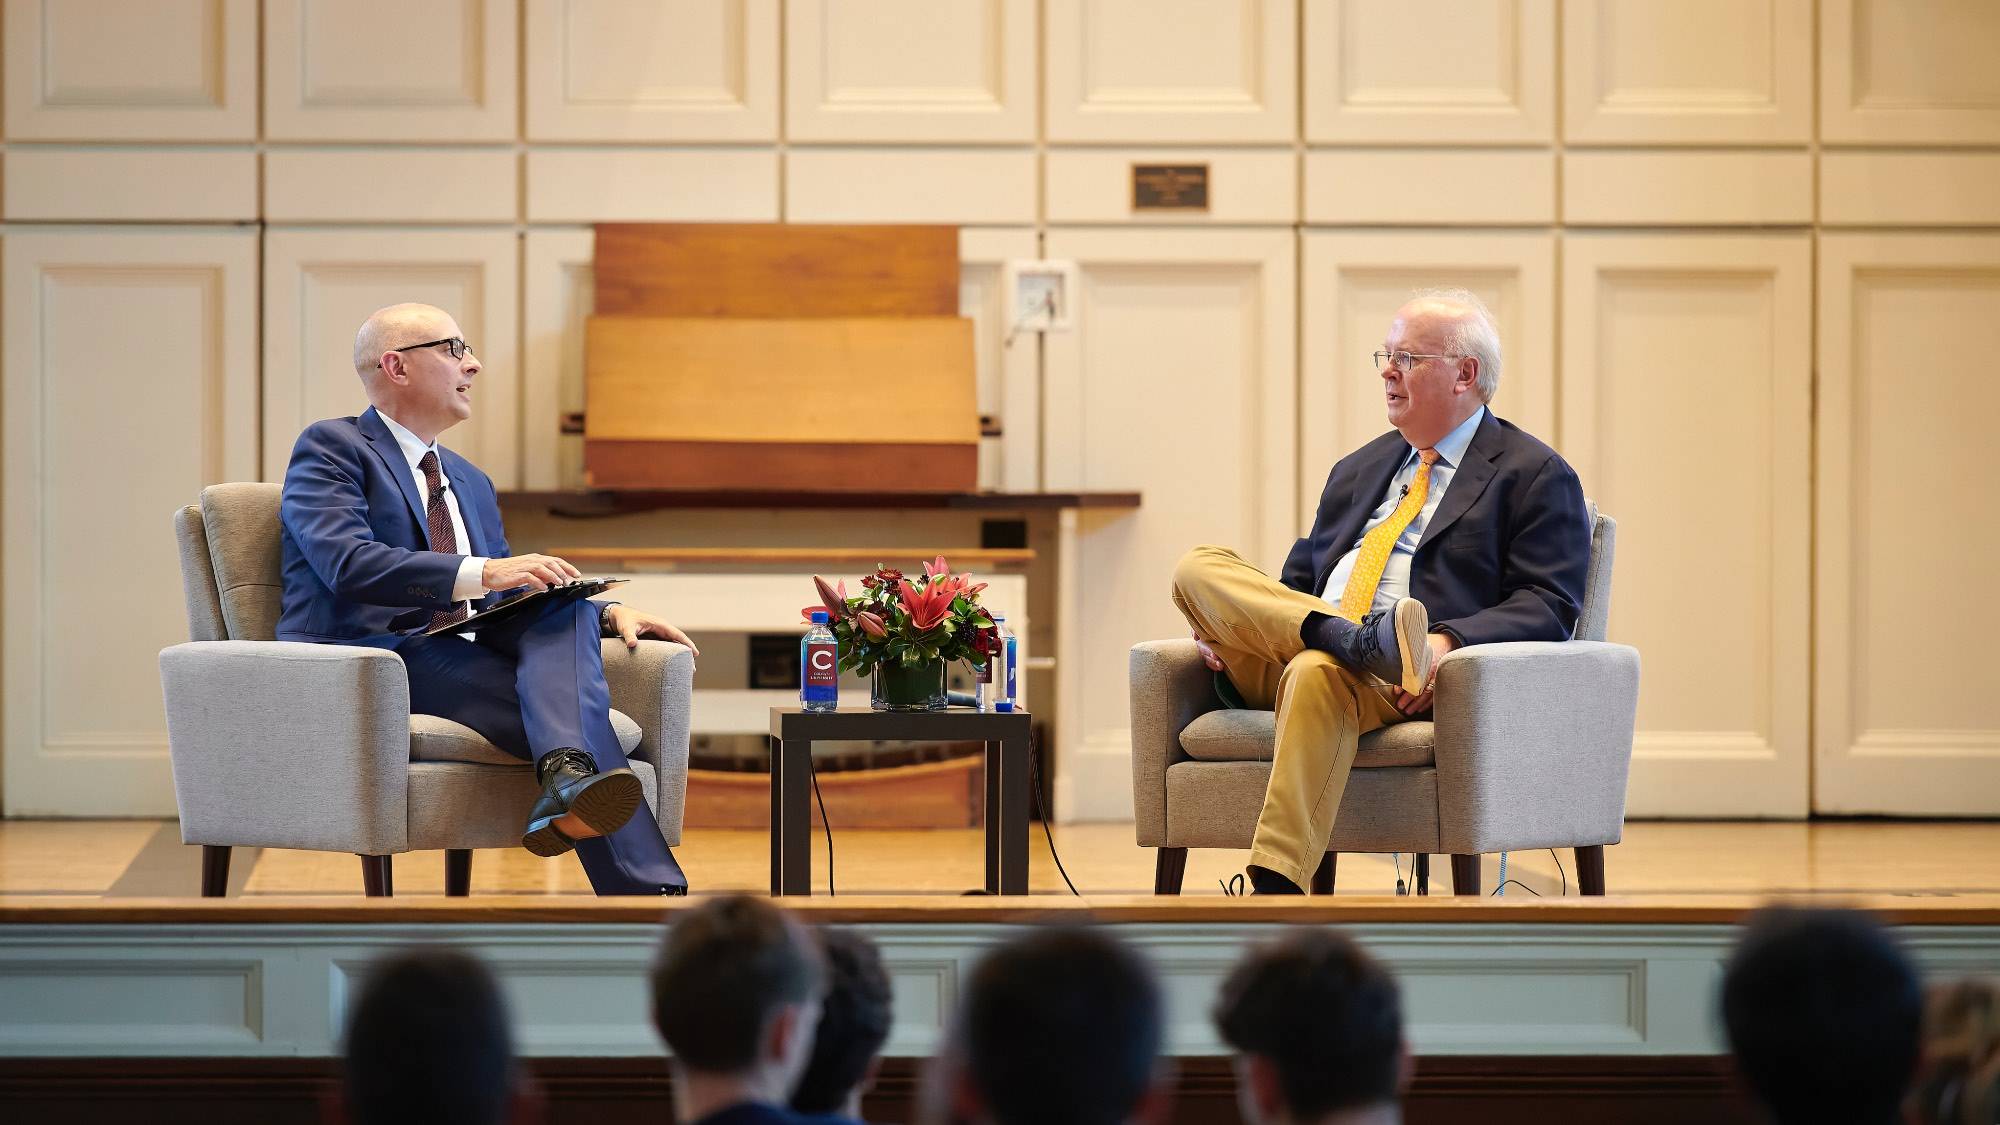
1396,575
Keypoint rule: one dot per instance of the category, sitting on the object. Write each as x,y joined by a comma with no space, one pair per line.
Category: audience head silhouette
1058,1027
853,1024
1822,1009
736,996
1318,1027
428,1042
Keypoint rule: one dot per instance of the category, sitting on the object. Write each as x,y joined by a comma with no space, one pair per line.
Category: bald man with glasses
1454,528
387,535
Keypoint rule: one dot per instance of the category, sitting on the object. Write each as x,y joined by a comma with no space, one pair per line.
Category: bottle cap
999,617
819,617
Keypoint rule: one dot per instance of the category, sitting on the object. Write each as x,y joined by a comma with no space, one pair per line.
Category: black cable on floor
1559,867
813,769
1519,884
1035,789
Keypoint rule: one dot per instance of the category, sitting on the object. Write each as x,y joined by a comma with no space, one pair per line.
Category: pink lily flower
872,624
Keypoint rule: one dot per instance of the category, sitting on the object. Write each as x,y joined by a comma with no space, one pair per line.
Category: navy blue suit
1502,559
358,570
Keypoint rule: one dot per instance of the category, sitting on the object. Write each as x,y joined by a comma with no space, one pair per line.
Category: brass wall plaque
1169,187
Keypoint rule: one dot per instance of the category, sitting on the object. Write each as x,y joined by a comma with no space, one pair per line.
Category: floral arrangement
906,622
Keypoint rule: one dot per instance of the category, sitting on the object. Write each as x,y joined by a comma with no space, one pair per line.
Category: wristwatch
604,620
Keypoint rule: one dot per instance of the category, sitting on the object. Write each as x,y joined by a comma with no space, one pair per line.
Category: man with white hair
1455,528
388,535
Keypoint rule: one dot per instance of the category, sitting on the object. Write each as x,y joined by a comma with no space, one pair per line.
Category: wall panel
62,183
1351,285
1179,382
1171,71
392,185
1094,185
319,285
883,185
1429,72
111,70
650,70
1909,189
1915,72
130,382
652,185
1683,187
1906,485
389,70
952,71
1686,409
1430,187
1690,72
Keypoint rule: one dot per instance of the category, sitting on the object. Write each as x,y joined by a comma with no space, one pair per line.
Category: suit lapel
468,511
1469,480
384,444
1371,486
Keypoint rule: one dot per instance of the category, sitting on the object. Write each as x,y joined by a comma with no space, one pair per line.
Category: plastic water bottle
982,677
819,667
1004,685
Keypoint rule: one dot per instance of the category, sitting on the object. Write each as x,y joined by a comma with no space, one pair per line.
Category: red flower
927,608
871,625
933,570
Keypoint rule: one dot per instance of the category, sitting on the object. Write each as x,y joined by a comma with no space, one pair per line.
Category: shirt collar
1451,448
413,447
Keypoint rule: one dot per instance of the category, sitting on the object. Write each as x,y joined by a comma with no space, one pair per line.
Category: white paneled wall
1681,216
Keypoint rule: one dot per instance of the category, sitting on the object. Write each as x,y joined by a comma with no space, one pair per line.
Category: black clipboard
513,607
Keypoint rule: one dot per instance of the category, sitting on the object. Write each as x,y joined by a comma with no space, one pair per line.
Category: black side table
1006,738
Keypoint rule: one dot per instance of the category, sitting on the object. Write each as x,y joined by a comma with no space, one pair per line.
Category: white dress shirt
1395,582
471,581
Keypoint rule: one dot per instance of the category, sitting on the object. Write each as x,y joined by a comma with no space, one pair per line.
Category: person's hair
1960,1080
1060,1026
1822,1009
725,968
1327,1015
853,1022
427,1041
1474,332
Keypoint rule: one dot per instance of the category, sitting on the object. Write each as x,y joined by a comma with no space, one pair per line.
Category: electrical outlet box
1040,294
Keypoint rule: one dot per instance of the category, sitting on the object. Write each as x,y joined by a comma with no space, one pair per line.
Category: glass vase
908,687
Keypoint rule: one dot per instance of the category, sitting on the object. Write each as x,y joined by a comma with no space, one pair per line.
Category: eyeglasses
1403,361
457,345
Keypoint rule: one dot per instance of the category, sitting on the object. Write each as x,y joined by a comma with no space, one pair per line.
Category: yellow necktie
1359,596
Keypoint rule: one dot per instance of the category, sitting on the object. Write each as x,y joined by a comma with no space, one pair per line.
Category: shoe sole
1413,627
605,803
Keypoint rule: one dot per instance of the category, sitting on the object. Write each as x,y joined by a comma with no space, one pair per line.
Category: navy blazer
1503,557
357,560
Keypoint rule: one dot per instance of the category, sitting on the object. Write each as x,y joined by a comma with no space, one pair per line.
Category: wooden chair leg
1465,875
1422,876
1323,876
1169,865
1590,869
214,870
377,876
458,872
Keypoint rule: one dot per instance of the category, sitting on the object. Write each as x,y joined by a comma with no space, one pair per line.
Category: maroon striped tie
437,516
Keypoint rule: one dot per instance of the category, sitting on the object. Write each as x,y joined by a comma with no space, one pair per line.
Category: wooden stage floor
1657,864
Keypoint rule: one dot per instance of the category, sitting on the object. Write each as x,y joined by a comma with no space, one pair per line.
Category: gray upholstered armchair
286,745
1528,747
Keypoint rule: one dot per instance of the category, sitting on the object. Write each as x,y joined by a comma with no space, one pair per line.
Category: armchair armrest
1534,743
289,745
1171,687
654,685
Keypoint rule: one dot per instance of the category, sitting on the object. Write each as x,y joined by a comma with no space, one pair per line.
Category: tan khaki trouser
1252,621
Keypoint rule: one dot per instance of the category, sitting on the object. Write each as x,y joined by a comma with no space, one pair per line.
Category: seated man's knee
1194,567
1312,671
